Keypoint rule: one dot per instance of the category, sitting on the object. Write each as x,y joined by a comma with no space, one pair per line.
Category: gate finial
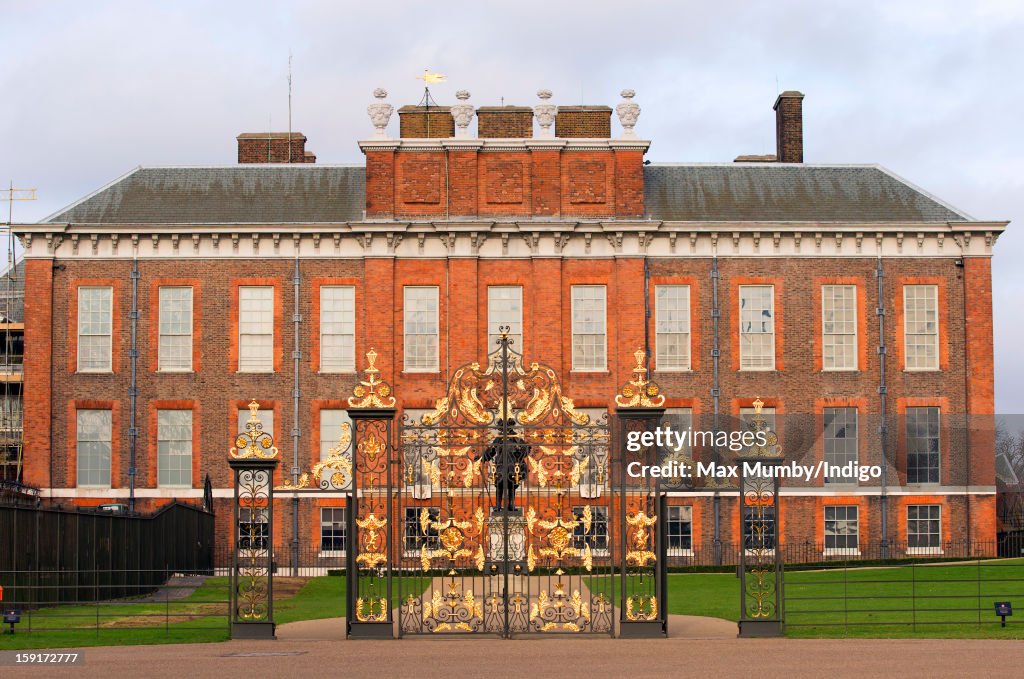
371,392
640,392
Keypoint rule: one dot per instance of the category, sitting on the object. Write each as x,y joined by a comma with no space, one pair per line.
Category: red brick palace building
835,293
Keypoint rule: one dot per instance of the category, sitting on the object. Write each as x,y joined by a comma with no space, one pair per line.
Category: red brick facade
441,200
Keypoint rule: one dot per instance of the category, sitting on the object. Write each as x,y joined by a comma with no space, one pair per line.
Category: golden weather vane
431,78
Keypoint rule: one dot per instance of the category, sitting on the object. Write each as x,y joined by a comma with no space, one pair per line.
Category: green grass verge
933,601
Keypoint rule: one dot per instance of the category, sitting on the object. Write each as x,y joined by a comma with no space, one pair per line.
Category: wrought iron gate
505,508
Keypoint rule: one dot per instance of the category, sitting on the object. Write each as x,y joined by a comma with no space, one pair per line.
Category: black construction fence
51,556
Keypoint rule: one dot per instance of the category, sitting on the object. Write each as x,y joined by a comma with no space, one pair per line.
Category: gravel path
565,658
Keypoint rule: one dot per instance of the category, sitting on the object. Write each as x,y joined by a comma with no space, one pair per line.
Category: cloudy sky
929,89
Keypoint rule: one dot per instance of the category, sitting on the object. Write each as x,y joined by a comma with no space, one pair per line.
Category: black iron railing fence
926,598
724,556
55,556
123,601
796,555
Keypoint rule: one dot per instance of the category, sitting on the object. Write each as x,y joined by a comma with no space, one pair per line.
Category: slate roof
788,192
336,193
226,195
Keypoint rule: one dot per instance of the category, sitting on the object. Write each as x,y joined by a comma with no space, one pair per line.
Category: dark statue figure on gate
507,455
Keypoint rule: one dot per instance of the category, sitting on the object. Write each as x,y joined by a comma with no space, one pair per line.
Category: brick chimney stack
789,127
273,147
592,122
423,122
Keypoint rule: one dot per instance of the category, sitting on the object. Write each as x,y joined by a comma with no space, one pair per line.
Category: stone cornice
528,238
491,144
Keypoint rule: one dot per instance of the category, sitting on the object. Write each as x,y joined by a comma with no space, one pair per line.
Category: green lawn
201,616
902,601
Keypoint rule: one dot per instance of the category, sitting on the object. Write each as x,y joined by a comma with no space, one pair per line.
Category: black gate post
761,573
253,460
371,545
641,552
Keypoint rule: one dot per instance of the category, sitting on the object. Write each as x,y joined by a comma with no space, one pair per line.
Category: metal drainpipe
715,393
967,414
647,312
882,427
296,393
133,390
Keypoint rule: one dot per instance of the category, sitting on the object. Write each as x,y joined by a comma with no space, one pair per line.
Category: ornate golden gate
506,508
501,510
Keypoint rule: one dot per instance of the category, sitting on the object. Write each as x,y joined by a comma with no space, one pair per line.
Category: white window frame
407,321
600,517
665,328
344,523
161,439
677,511
835,339
84,324
411,520
938,444
162,360
330,433
829,459
841,551
344,306
920,338
577,356
498,315
924,550
747,361
247,329
109,441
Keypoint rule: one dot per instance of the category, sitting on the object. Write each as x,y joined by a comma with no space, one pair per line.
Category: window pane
840,440
680,529
421,329
256,329
93,429
175,328
597,538
672,322
174,447
331,422
505,308
757,327
839,327
413,536
333,531
921,326
842,528
589,328
95,321
337,328
924,527
923,445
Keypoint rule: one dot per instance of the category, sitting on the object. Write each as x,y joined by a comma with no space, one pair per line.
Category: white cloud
929,89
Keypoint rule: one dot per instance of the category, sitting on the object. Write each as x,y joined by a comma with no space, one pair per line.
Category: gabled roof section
695,192
787,192
225,195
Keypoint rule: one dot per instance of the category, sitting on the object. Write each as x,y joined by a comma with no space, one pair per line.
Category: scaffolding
12,347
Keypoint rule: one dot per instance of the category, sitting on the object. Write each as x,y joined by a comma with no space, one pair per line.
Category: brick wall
595,183
798,390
